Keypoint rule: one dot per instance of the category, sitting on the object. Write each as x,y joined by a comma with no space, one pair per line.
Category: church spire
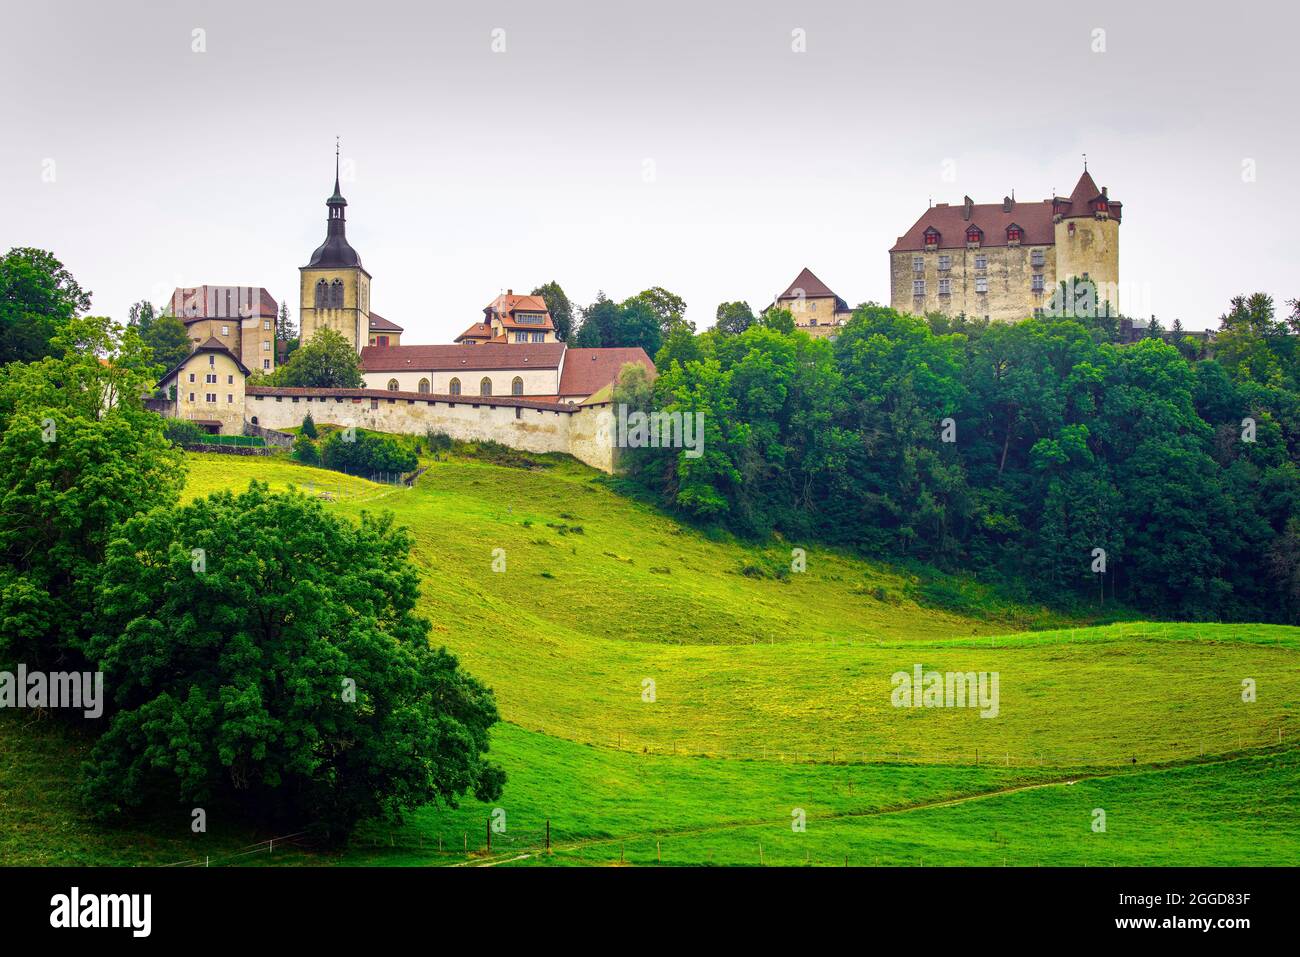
335,251
336,202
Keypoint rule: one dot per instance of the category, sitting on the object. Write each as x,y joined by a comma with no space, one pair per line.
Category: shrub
305,450
366,453
183,432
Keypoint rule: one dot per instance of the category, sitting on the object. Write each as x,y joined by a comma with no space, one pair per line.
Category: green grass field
771,692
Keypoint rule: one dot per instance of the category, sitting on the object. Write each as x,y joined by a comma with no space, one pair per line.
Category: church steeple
335,251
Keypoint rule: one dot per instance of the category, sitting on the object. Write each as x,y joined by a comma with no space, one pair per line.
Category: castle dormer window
932,238
1015,235
973,236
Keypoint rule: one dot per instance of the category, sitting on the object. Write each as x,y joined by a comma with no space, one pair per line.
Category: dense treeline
1012,450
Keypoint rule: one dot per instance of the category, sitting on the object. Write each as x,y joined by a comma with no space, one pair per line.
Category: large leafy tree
38,296
734,317
287,669
558,305
78,455
669,309
163,334
327,361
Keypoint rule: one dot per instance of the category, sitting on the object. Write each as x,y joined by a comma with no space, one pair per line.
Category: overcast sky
618,146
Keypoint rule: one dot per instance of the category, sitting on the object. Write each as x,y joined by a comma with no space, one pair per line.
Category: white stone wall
582,432
536,381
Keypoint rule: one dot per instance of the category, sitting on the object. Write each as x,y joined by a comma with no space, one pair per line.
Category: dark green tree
326,362
734,318
78,455
558,305
38,296
288,672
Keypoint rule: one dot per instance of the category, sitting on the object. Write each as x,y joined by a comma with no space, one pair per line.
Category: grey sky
476,171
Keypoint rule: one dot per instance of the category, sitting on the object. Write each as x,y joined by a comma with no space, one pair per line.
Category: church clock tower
334,288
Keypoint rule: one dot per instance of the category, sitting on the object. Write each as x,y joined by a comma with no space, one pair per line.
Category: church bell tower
334,287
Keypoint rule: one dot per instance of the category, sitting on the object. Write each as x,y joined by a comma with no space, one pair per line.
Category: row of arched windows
329,295
484,386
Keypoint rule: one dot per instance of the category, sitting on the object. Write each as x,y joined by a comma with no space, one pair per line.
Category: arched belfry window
424,385
392,385
322,295
336,294
485,387
517,386
454,388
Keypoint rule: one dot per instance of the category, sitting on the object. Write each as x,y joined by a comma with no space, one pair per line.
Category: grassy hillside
772,692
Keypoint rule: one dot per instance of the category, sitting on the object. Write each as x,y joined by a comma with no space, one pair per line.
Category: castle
506,378
1003,260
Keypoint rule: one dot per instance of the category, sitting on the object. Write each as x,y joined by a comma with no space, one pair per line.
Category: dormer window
931,238
973,236
1015,235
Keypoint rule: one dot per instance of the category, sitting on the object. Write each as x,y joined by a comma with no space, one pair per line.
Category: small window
266,345
981,283
931,238
973,236
392,385
918,287
266,363
521,337
374,403
191,396
517,386
230,380
191,376
212,360
266,324
539,337
945,287
1036,282
1038,257
225,330
945,262
454,387
210,396
1015,234
981,262
230,397
424,386
485,386
918,264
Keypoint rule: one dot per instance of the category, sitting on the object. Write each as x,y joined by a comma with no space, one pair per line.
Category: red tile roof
192,303
1036,219
993,218
507,304
444,358
213,344
479,330
812,288
380,324
587,371
510,401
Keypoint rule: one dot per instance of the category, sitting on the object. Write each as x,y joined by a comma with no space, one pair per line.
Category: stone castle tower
334,287
1087,238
